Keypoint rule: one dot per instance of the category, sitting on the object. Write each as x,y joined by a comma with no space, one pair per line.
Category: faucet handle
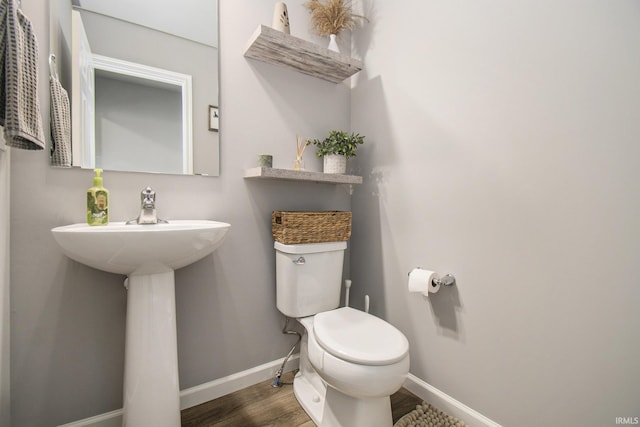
148,196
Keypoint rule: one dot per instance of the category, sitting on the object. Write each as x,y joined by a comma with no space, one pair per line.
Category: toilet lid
359,337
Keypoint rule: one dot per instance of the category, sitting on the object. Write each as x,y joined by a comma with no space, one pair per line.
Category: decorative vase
281,18
333,45
298,165
335,163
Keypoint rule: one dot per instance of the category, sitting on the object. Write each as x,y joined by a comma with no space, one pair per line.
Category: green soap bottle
97,202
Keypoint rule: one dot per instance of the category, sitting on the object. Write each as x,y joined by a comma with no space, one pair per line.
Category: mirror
142,81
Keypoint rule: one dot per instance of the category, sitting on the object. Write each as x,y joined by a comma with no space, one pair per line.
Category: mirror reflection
141,77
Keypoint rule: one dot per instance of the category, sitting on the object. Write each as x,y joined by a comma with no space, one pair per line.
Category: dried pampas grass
332,16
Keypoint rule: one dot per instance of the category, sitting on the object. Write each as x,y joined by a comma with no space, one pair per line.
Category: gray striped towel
60,124
19,104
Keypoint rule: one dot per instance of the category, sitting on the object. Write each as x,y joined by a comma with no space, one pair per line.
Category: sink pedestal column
151,388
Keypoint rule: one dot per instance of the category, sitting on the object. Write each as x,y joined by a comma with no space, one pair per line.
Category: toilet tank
308,277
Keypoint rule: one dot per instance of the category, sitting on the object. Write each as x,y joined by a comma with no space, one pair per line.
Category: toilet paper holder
446,280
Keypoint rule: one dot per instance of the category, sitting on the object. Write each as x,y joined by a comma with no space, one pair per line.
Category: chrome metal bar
446,280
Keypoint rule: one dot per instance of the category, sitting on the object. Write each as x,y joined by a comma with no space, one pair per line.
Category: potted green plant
336,149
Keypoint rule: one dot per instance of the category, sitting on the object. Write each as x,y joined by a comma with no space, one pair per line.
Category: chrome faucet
147,209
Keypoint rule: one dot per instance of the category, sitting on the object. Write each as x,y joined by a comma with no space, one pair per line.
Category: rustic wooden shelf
294,175
275,47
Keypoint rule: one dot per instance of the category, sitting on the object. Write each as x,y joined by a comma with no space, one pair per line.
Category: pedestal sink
148,255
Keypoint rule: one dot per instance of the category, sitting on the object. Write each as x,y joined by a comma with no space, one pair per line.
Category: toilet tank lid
310,248
359,337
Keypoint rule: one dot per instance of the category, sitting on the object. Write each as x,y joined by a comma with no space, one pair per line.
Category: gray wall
67,326
503,147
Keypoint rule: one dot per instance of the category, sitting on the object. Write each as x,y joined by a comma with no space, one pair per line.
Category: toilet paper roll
421,280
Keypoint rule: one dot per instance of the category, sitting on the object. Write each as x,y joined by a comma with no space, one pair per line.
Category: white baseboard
202,393
214,389
446,403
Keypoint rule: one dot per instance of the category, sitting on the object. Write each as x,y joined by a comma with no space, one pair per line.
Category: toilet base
347,411
327,407
310,396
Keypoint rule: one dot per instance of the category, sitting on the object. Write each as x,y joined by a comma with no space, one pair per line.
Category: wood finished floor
263,405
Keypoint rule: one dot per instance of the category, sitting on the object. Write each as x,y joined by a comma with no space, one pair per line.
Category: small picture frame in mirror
214,118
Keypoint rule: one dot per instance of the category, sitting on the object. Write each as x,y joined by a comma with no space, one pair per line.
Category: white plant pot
333,44
335,163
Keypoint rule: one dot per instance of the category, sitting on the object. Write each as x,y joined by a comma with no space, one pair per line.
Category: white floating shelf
294,175
275,47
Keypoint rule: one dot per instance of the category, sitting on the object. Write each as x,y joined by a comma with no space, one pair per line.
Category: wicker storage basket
310,227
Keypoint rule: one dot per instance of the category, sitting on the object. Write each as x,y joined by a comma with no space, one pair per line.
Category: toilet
350,361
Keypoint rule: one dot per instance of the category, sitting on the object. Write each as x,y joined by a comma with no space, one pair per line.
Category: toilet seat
359,337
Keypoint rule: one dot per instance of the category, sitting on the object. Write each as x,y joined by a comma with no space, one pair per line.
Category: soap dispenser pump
97,202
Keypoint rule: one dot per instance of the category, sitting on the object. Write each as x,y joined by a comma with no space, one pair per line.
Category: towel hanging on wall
19,104
60,119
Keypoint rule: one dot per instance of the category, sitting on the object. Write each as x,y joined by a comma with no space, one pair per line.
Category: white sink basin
148,255
140,249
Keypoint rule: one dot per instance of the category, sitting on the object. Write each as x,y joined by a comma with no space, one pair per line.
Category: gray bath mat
426,415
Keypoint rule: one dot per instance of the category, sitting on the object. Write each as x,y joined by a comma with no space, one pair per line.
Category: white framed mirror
140,82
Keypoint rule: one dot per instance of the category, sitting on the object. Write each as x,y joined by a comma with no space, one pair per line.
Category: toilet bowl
350,361
360,359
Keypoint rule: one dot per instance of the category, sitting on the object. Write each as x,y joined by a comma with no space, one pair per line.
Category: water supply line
277,380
